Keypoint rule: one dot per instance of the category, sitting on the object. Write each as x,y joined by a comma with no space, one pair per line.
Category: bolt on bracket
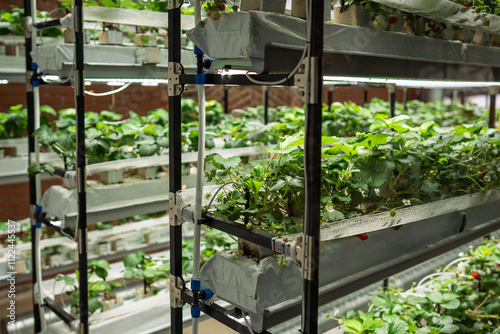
303,254
176,287
172,206
174,86
174,4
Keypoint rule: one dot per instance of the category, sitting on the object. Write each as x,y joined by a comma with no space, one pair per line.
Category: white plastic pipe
199,172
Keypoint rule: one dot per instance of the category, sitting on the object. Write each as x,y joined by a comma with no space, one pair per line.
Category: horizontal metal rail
237,79
220,314
239,230
59,311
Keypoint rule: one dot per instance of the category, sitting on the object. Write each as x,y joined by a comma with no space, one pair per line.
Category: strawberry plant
15,20
142,266
393,166
97,290
463,302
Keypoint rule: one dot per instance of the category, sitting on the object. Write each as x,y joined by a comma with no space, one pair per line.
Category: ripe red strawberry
393,19
209,13
466,4
362,236
475,275
480,174
432,25
221,7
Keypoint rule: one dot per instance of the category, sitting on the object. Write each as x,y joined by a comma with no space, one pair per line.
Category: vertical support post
391,88
494,90
312,159
454,95
226,99
175,181
462,96
266,104
365,95
330,97
81,179
405,98
30,103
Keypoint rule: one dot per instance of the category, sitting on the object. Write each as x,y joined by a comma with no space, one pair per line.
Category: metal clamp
28,26
305,80
176,287
174,86
494,90
172,206
300,80
303,254
29,80
391,88
174,4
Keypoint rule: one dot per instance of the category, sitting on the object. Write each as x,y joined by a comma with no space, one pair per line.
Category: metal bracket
303,254
300,80
29,80
305,81
494,90
176,287
174,86
172,205
174,4
391,88
28,26
77,17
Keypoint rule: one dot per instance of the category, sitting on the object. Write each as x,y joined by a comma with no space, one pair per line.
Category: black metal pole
175,181
312,157
392,99
330,97
30,103
266,104
405,99
462,96
226,99
493,106
79,85
365,95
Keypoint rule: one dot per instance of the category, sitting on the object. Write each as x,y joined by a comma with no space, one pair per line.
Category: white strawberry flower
407,202
329,208
487,178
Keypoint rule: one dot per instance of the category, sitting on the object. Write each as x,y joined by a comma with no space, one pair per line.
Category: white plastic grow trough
258,288
250,35
107,202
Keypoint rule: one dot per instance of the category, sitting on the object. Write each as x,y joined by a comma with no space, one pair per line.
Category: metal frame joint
174,86
494,90
176,287
304,256
391,88
174,4
305,80
173,214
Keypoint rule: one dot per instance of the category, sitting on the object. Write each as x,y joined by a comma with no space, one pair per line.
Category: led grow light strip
411,83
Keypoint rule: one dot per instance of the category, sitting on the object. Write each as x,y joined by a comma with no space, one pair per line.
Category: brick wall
142,99
46,5
14,199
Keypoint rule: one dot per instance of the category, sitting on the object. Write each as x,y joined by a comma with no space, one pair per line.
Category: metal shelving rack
333,63
32,84
37,218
